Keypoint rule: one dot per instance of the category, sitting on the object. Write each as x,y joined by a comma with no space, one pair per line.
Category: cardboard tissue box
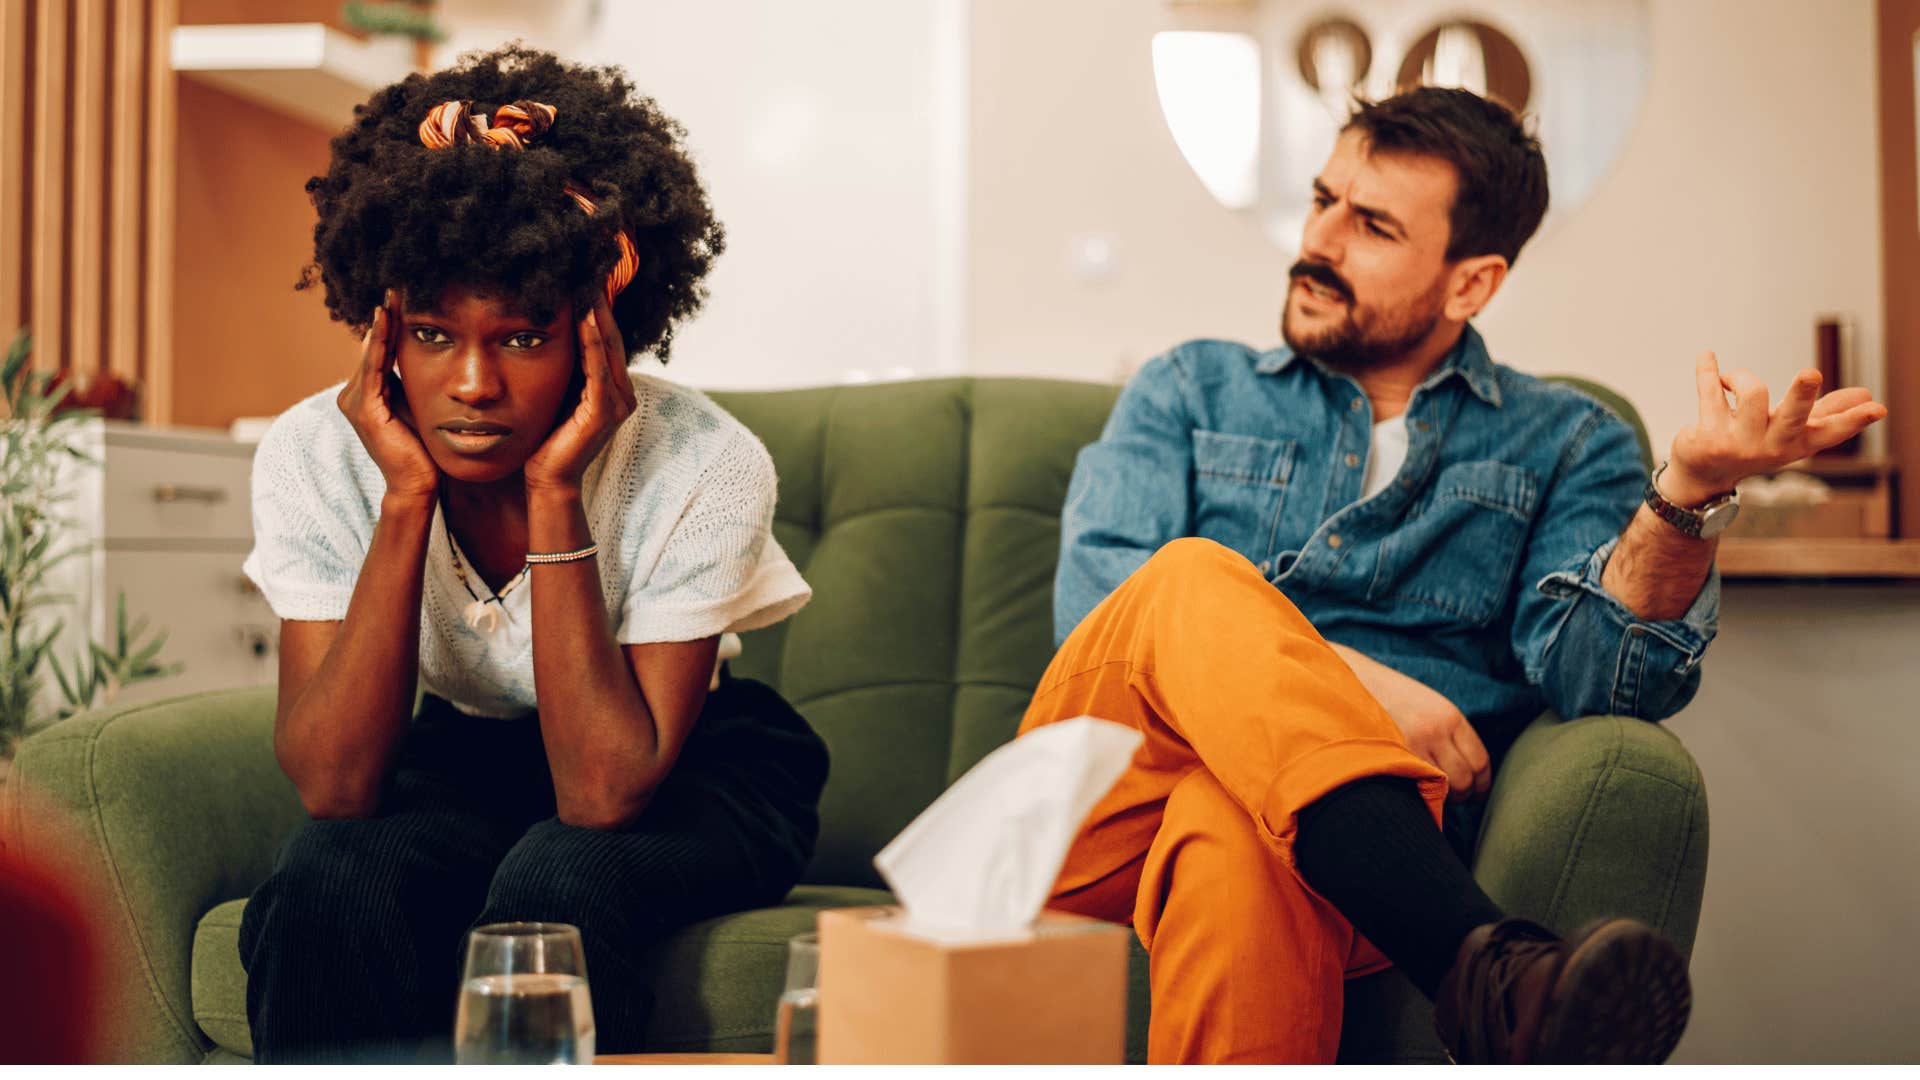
969,970
1055,995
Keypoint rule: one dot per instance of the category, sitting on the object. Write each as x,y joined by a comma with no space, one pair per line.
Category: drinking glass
523,1000
796,1026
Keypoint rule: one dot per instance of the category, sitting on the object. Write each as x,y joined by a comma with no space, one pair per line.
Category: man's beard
1366,338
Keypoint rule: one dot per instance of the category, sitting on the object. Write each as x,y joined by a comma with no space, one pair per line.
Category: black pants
354,945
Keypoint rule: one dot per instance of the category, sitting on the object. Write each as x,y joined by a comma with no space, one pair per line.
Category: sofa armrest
1604,815
182,806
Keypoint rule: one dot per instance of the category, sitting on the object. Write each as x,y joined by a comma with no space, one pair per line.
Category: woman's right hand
376,406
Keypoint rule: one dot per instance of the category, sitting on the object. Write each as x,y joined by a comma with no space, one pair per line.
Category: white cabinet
169,518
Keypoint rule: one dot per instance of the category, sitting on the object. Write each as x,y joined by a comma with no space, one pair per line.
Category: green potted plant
38,446
401,18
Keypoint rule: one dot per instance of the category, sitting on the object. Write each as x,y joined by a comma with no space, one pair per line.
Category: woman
494,507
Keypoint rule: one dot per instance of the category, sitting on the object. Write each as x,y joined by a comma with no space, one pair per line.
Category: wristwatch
1706,522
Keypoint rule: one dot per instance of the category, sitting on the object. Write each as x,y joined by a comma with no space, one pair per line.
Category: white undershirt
1388,453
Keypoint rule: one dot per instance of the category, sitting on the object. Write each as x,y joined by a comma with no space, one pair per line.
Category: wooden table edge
684,1059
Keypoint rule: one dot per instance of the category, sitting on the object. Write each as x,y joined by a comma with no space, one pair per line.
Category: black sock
1371,848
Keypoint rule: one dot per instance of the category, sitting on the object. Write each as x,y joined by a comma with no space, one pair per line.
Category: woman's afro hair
395,214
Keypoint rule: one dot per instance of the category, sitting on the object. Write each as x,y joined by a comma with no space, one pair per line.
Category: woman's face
485,383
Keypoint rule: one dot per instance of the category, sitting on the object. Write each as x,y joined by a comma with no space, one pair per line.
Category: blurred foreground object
51,946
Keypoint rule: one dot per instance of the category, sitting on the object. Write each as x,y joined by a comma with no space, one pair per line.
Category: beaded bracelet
587,552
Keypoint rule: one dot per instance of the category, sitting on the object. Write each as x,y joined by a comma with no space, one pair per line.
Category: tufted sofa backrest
926,516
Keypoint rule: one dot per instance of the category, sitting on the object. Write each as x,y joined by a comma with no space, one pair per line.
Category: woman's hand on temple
376,406
606,401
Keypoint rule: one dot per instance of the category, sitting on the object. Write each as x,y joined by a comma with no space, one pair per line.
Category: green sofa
925,514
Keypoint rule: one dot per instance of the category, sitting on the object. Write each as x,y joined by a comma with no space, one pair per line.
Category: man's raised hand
1752,437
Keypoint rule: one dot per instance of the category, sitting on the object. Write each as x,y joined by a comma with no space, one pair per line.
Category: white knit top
680,502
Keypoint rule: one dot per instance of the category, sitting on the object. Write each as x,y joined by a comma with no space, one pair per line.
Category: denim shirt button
1353,461
1266,566
1334,541
1355,405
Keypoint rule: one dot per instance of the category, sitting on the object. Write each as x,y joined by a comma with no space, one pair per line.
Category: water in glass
796,1024
796,1029
530,1019
524,999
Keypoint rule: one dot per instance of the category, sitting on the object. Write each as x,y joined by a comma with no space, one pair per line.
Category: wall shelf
1754,557
307,70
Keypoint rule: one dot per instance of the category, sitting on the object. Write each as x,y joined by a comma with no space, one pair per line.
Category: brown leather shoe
1613,993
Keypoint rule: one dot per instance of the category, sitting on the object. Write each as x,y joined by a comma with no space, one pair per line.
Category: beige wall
244,342
1746,202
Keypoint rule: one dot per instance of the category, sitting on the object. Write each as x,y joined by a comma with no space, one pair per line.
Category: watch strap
1687,521
1691,522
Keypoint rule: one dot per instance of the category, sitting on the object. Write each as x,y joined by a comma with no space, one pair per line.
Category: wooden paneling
13,163
156,260
50,212
84,235
1900,219
127,179
87,122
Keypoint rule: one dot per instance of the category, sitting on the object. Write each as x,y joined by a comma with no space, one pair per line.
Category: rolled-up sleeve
1587,652
1131,493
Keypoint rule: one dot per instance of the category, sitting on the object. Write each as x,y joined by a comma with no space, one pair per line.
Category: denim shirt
1476,571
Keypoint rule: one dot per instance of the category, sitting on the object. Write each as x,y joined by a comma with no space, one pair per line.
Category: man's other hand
1433,727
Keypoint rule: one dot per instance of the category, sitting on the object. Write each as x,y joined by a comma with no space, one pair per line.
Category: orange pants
1249,717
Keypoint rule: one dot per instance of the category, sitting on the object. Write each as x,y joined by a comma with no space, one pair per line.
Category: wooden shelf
1800,558
307,70
1841,466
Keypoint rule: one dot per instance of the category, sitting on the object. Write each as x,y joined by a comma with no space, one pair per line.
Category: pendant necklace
480,615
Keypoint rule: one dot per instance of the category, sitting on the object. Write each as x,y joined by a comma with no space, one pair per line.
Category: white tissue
981,861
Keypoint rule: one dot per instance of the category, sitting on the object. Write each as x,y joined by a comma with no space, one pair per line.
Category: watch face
1716,519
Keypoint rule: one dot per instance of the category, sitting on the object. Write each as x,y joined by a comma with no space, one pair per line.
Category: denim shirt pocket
1239,483
1460,544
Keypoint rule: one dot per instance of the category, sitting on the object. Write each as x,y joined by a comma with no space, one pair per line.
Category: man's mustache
1321,274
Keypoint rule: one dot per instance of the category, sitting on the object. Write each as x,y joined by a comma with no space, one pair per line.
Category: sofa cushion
219,982
715,983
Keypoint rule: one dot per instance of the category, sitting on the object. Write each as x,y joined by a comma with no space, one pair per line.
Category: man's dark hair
394,213
1502,192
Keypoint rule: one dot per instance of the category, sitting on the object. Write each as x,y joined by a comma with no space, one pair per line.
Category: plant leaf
60,673
17,354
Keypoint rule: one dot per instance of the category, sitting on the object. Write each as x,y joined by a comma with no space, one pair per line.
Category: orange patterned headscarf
451,123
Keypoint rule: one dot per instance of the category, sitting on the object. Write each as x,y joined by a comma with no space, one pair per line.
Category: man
1400,553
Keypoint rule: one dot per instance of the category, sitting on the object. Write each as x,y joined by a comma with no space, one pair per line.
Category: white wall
907,185
828,136
1745,203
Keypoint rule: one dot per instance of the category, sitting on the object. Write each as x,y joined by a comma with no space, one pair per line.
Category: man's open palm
1751,436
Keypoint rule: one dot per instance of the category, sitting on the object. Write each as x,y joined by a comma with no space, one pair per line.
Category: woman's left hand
606,401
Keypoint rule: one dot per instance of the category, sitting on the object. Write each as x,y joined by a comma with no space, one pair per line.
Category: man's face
1372,278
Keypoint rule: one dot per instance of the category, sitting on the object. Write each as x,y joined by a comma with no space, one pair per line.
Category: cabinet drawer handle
166,493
